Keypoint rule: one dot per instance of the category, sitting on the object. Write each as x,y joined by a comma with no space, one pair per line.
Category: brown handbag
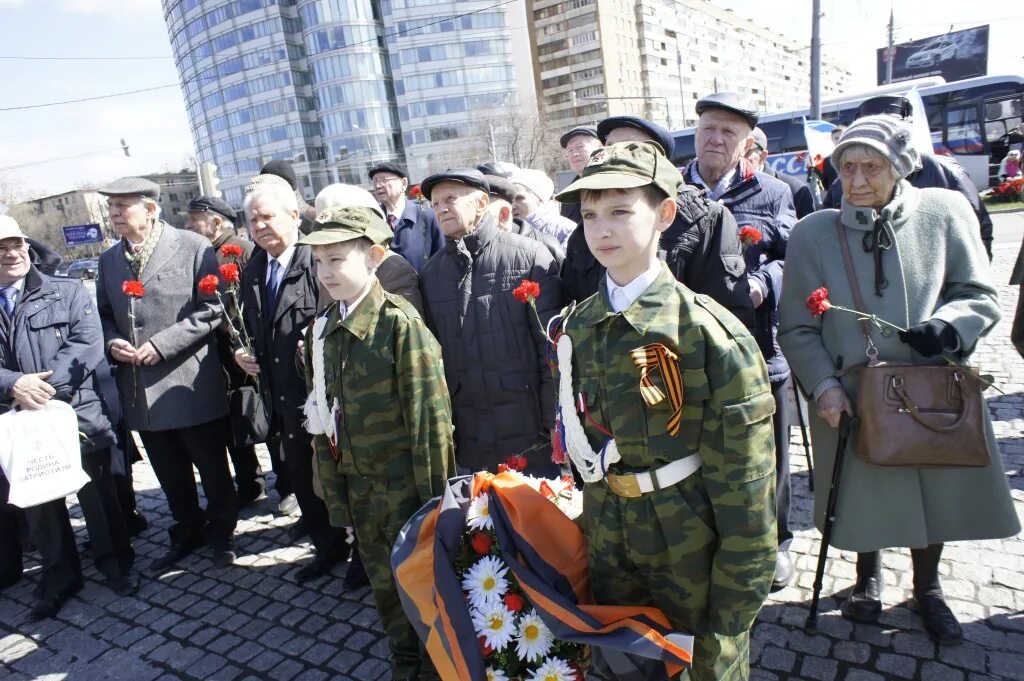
925,416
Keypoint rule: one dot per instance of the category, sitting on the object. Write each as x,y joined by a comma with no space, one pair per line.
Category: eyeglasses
383,182
15,248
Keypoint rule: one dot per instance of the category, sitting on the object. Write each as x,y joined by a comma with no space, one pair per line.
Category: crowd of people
373,343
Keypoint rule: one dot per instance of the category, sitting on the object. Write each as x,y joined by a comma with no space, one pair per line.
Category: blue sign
80,235
792,163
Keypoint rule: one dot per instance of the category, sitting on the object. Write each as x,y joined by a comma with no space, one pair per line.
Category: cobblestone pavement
253,621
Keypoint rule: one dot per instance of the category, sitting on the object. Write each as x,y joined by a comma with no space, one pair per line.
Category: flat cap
587,130
626,165
892,105
732,102
131,186
388,167
659,135
468,176
497,169
212,204
344,223
501,188
282,169
760,139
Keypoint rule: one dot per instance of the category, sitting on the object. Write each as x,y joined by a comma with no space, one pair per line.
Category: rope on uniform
319,419
591,464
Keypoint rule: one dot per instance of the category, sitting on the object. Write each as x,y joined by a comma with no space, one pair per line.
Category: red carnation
484,648
818,303
527,292
133,288
231,251
546,490
750,236
415,191
516,462
482,543
230,272
208,284
513,602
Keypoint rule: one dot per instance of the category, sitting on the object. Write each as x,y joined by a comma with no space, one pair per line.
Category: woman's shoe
865,601
939,621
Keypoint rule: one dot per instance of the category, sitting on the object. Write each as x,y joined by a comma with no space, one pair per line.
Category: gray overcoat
186,387
936,269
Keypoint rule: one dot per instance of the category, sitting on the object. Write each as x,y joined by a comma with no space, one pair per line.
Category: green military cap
625,165
344,223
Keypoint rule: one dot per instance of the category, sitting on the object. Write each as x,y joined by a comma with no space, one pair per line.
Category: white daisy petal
533,638
496,624
496,674
553,669
485,581
478,517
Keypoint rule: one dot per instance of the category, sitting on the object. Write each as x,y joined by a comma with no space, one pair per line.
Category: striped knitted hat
888,135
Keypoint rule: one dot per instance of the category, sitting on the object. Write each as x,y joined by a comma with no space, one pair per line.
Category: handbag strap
858,299
900,388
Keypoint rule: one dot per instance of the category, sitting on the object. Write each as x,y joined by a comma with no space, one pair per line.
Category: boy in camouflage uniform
679,508
380,408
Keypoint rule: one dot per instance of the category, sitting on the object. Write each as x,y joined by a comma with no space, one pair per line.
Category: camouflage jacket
395,424
726,417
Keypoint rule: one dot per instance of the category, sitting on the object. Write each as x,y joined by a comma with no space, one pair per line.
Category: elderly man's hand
247,362
31,391
147,355
832,403
122,351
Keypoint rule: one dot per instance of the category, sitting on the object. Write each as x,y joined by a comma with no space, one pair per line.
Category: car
933,52
83,269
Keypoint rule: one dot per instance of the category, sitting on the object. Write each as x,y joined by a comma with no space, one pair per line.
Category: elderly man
701,247
213,218
725,124
533,204
280,299
757,156
502,195
417,233
51,348
159,328
495,353
579,143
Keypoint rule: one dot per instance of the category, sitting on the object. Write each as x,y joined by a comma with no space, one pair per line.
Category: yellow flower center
497,622
551,677
486,510
489,584
531,632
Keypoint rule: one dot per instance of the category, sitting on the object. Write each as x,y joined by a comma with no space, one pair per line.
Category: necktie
392,221
7,295
273,283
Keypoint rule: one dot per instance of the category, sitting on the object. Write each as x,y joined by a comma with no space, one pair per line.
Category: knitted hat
888,135
539,184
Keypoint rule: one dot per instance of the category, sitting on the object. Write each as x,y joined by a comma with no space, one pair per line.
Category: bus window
963,131
994,130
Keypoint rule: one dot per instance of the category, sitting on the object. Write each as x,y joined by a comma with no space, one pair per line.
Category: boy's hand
247,362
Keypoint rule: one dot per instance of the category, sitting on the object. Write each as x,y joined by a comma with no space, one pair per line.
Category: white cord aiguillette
319,417
588,462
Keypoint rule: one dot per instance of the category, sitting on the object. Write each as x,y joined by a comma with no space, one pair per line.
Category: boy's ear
666,214
375,255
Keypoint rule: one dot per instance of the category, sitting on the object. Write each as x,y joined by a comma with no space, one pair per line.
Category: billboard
81,235
954,56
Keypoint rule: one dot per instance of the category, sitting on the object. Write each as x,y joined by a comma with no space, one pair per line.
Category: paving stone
777,659
862,675
968,655
344,661
245,651
146,644
359,640
313,675
206,666
914,644
223,644
933,671
852,651
1007,666
265,660
898,665
818,668
285,670
371,669
319,653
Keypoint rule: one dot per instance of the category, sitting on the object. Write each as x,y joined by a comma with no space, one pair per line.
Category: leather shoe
939,620
136,523
125,585
865,601
355,577
249,494
317,568
10,581
224,556
173,555
289,505
298,530
47,606
784,571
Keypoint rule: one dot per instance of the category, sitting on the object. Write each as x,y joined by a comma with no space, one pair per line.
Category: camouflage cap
625,165
344,223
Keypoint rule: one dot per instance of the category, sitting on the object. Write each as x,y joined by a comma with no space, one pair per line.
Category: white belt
638,484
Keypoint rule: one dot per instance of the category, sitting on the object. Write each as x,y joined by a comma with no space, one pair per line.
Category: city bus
969,120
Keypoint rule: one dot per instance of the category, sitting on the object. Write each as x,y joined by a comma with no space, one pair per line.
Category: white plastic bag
40,453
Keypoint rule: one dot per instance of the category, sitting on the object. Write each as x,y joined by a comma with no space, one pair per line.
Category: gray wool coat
936,269
187,387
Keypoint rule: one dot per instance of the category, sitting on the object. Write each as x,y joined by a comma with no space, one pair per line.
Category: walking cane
830,517
803,434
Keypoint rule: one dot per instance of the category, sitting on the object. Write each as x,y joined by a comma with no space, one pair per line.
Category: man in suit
168,374
417,233
213,218
279,299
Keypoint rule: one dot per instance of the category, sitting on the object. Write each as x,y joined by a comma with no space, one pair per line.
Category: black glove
931,338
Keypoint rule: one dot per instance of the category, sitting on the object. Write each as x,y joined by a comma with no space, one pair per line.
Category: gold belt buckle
624,485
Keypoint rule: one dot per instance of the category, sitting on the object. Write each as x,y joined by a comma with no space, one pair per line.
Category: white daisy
496,624
478,517
533,639
554,670
496,674
485,581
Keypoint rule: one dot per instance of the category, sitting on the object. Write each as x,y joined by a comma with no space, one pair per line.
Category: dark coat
760,201
572,210
44,258
803,201
495,355
418,234
276,333
523,228
941,172
186,387
55,328
701,247
397,276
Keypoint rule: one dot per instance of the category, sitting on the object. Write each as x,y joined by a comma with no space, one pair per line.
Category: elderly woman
920,265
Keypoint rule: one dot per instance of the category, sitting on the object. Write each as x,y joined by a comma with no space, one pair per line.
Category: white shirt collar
344,310
19,285
283,260
720,187
399,208
621,297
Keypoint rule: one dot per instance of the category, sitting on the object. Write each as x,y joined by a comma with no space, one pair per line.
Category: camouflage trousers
379,508
657,551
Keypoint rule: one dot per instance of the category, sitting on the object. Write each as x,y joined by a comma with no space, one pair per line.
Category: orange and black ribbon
657,356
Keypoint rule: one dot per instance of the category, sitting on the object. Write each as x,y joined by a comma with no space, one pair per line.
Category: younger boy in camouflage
378,407
667,415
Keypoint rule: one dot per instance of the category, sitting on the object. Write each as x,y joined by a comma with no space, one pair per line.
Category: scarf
138,256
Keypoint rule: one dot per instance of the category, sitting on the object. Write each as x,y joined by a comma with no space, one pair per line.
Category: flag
818,135
921,133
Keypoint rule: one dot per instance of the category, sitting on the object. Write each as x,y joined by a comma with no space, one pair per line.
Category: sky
155,126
